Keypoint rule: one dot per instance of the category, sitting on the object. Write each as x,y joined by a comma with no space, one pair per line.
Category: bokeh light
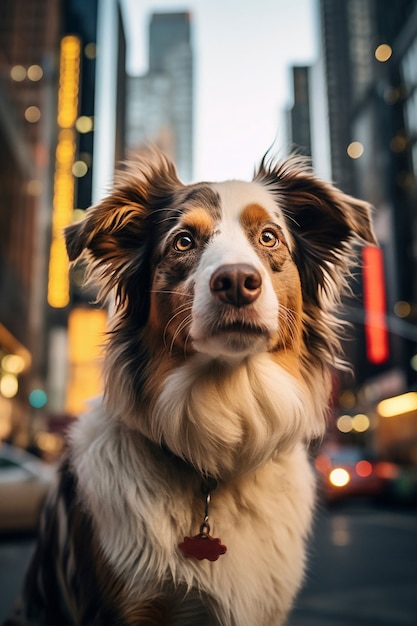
35,73
32,114
18,73
37,398
9,385
344,424
383,53
84,124
13,363
360,423
339,477
79,169
355,149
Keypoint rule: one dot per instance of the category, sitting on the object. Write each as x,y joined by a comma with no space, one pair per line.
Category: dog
187,494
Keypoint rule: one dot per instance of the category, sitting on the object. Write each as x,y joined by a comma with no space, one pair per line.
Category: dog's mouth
232,338
239,327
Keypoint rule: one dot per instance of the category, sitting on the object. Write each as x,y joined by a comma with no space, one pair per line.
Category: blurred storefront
29,39
370,59
366,80
49,129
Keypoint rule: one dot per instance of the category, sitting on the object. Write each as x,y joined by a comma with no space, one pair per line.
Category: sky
243,51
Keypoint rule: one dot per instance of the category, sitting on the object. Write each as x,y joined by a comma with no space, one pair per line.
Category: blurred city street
218,87
363,569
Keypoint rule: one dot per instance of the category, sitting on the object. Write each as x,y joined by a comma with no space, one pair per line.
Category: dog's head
220,271
225,269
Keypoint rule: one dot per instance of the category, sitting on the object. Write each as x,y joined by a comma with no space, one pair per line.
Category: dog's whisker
174,292
180,311
183,324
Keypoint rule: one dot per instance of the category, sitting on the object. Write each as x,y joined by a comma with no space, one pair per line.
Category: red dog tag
202,546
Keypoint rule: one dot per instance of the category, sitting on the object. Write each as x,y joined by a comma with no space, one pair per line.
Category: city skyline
160,106
243,58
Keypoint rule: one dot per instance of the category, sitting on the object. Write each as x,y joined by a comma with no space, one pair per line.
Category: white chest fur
141,514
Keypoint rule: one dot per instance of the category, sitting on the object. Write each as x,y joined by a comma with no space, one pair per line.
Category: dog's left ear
323,221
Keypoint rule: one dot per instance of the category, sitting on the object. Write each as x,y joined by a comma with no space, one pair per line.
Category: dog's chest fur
151,503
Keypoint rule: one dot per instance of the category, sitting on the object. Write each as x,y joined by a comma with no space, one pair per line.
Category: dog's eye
183,242
268,238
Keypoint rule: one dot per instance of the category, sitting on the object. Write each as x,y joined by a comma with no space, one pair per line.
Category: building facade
48,134
370,57
160,103
299,114
29,40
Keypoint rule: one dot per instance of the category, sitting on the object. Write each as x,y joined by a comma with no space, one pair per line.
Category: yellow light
32,114
84,124
63,199
69,73
9,385
13,363
344,424
12,345
18,73
360,423
86,334
35,73
339,477
383,53
58,282
355,150
79,169
398,405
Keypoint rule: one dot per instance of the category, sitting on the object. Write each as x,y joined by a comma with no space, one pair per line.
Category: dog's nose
237,284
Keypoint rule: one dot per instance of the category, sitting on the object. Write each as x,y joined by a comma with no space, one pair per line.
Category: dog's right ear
116,234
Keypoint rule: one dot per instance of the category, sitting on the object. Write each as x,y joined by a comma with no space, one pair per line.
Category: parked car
25,481
346,471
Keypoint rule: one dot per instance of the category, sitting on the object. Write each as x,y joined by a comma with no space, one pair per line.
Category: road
362,572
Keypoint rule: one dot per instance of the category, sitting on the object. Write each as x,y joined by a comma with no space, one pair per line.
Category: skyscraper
299,122
369,51
160,103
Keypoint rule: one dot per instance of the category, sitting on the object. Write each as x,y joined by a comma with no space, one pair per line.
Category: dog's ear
116,235
323,221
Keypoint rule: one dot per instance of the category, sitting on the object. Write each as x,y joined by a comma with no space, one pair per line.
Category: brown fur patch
254,214
200,220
